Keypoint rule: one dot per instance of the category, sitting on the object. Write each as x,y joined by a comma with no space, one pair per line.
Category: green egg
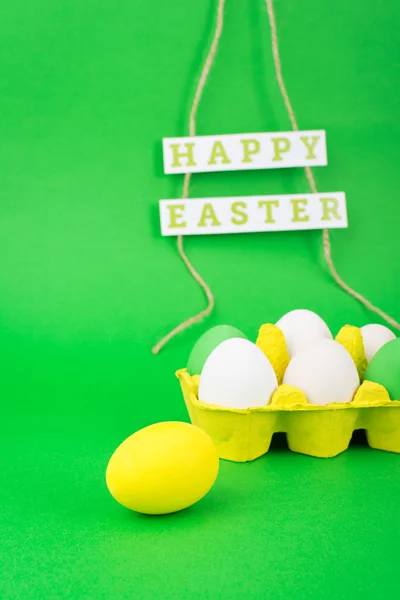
384,368
206,344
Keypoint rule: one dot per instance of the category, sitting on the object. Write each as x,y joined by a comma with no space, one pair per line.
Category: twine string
310,177
327,249
186,185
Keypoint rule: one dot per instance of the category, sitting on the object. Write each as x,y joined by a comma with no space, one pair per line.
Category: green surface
88,285
384,368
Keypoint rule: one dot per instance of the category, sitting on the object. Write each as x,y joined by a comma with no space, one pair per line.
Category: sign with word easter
238,152
244,214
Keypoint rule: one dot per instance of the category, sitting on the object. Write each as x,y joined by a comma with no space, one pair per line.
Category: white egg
237,374
325,372
302,327
374,337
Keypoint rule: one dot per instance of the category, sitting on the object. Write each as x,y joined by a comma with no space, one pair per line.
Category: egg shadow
216,504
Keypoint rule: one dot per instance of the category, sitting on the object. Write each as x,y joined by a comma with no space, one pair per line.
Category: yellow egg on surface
163,468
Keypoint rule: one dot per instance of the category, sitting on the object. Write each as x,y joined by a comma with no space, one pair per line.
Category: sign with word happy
233,152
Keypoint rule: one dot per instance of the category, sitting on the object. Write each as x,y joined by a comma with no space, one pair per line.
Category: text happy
253,214
236,152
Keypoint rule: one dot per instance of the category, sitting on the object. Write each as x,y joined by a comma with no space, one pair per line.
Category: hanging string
310,177
186,184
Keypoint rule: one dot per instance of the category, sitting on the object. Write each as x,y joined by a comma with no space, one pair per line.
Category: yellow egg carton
321,431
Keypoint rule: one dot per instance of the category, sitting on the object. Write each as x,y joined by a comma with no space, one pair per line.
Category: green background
88,89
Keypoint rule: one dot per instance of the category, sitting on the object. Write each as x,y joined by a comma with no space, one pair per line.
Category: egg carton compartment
320,431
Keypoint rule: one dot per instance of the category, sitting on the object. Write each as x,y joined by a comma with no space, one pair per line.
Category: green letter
243,217
310,145
268,205
174,216
281,144
188,154
250,147
208,213
332,209
218,151
298,211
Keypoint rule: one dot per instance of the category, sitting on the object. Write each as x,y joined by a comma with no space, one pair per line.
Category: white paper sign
238,152
199,216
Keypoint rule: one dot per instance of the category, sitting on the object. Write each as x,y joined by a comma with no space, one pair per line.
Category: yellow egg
163,468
